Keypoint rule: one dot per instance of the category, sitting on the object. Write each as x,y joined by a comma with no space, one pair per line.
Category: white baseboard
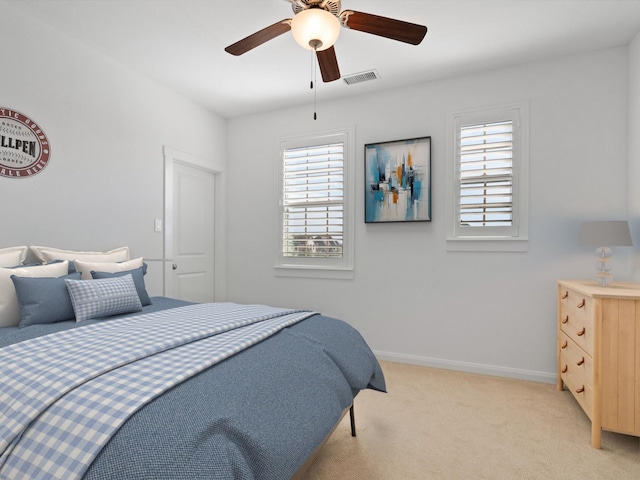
542,377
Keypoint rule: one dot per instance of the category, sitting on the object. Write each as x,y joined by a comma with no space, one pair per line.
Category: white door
189,223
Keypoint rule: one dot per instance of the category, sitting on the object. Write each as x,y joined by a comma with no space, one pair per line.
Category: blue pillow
43,300
103,297
138,281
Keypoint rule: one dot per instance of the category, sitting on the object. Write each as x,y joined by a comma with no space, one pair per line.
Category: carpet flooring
449,425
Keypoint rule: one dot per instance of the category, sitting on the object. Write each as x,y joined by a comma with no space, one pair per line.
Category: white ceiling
180,43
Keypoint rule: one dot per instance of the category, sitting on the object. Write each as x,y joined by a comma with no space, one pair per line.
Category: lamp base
604,278
603,266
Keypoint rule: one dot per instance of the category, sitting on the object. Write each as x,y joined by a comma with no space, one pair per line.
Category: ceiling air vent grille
361,77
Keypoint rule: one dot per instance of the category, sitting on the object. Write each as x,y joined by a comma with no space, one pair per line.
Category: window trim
314,267
486,239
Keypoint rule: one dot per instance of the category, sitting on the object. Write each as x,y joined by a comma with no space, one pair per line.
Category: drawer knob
565,319
564,345
580,390
566,294
580,362
582,303
564,369
581,332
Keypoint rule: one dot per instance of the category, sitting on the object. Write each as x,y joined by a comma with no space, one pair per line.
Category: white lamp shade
613,233
315,29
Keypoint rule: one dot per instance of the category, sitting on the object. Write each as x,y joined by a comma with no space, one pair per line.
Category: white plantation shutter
486,174
489,185
313,201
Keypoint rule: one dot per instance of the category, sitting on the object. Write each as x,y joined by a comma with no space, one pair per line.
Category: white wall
411,299
634,152
103,186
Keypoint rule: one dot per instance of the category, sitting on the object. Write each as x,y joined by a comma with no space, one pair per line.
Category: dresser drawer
576,318
574,358
582,392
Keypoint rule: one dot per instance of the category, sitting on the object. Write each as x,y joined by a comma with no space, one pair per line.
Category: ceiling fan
316,26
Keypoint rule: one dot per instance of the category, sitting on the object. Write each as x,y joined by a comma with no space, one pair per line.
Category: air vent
361,77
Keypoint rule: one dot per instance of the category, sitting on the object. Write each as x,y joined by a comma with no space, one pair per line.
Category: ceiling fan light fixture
315,29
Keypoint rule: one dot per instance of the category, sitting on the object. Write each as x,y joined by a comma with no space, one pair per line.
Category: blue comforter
258,414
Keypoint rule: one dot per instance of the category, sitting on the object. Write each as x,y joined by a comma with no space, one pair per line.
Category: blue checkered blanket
67,393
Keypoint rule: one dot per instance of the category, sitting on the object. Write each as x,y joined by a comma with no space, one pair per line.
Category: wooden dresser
599,353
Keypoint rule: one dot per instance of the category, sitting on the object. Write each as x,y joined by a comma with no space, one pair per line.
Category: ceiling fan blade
384,27
328,65
260,37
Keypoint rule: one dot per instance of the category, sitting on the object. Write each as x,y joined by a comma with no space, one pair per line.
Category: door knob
174,267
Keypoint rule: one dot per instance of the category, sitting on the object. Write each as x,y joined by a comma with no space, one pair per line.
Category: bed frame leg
353,421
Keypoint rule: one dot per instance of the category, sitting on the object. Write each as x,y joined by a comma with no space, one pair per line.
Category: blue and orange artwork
397,183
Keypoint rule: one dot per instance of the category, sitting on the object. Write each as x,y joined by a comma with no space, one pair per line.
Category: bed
256,408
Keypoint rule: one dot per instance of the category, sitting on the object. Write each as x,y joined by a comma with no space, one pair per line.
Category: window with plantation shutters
488,182
315,209
486,174
313,194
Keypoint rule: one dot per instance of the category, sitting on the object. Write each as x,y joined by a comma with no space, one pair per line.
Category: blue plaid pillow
104,297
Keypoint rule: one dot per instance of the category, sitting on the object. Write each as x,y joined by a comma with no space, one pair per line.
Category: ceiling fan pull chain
314,73
312,65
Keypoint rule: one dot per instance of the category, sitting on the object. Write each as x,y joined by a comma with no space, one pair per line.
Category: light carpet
444,424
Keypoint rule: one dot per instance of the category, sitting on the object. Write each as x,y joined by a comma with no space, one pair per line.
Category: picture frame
398,181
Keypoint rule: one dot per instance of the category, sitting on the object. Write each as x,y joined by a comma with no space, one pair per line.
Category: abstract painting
398,181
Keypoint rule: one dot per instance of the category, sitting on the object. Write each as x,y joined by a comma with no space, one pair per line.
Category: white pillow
85,268
12,256
9,307
48,254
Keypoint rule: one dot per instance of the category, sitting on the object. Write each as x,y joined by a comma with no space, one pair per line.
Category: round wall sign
24,148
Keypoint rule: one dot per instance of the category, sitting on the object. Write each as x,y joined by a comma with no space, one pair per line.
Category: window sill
487,245
313,272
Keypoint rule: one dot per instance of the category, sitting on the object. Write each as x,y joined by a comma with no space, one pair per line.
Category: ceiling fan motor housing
331,6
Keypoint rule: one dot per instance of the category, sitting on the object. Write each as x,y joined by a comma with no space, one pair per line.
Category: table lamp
605,234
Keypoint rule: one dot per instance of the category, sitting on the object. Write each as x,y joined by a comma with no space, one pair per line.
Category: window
315,235
488,179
